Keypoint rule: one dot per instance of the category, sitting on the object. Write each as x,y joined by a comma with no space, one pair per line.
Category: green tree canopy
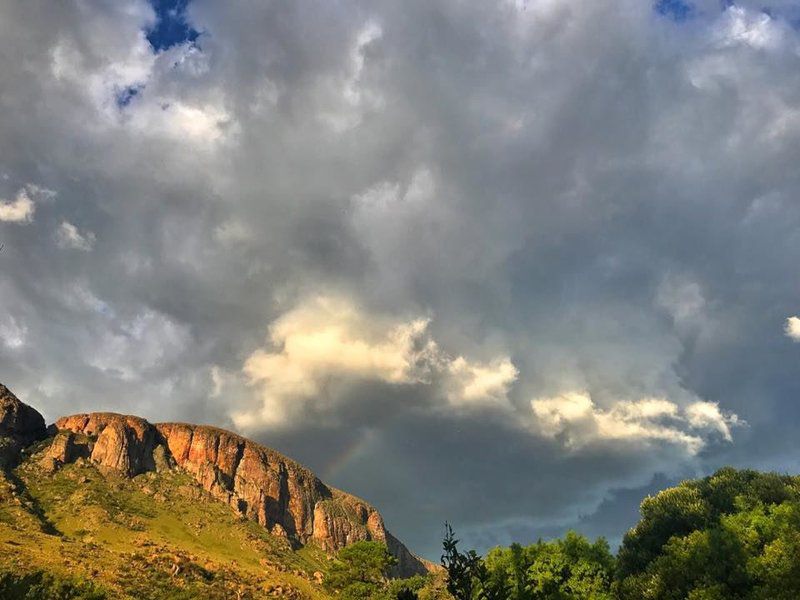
734,535
360,571
572,568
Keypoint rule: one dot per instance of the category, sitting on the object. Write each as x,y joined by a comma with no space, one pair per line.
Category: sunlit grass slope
155,536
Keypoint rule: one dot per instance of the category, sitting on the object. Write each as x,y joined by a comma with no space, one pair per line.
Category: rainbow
351,451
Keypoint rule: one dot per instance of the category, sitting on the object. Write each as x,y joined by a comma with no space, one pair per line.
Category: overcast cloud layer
510,264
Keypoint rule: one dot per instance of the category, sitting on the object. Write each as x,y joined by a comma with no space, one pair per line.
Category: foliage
568,569
40,584
734,535
406,594
406,589
361,570
465,572
429,587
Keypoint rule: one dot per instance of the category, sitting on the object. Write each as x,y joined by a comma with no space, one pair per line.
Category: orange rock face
258,482
64,449
124,443
281,495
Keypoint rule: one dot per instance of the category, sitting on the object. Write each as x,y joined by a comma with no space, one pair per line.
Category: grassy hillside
155,536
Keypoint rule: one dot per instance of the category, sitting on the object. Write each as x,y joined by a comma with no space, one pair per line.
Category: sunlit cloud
19,210
328,338
575,418
792,328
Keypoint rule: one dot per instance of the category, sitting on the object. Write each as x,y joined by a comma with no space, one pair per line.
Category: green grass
128,535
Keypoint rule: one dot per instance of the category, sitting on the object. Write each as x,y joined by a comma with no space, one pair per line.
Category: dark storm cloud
499,263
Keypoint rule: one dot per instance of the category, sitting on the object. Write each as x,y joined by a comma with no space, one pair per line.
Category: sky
510,264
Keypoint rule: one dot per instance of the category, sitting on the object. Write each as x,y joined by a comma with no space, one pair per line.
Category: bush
38,585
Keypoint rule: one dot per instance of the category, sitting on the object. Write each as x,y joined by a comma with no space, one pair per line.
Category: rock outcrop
122,443
261,484
20,426
18,420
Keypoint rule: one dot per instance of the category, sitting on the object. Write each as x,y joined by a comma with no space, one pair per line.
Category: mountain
105,495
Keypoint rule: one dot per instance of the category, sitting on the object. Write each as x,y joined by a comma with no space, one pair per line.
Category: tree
675,511
360,571
572,568
464,571
734,535
406,594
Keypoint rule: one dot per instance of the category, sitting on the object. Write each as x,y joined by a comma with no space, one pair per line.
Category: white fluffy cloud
68,236
329,339
481,383
20,210
792,328
575,418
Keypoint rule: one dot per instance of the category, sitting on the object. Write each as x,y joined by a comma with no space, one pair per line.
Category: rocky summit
255,482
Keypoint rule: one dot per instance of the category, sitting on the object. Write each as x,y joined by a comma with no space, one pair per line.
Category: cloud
328,339
138,346
20,210
68,236
481,384
205,124
792,328
681,298
12,333
488,224
575,418
756,29
709,416
356,97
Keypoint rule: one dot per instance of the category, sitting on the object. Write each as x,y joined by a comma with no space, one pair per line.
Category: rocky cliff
20,426
257,482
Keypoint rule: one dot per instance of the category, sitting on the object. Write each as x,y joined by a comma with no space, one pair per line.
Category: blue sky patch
171,26
677,10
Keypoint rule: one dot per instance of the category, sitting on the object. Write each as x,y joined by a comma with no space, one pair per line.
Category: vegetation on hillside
361,572
76,532
564,569
152,537
36,585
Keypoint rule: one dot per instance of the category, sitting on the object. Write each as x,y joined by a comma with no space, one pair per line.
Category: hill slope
151,511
